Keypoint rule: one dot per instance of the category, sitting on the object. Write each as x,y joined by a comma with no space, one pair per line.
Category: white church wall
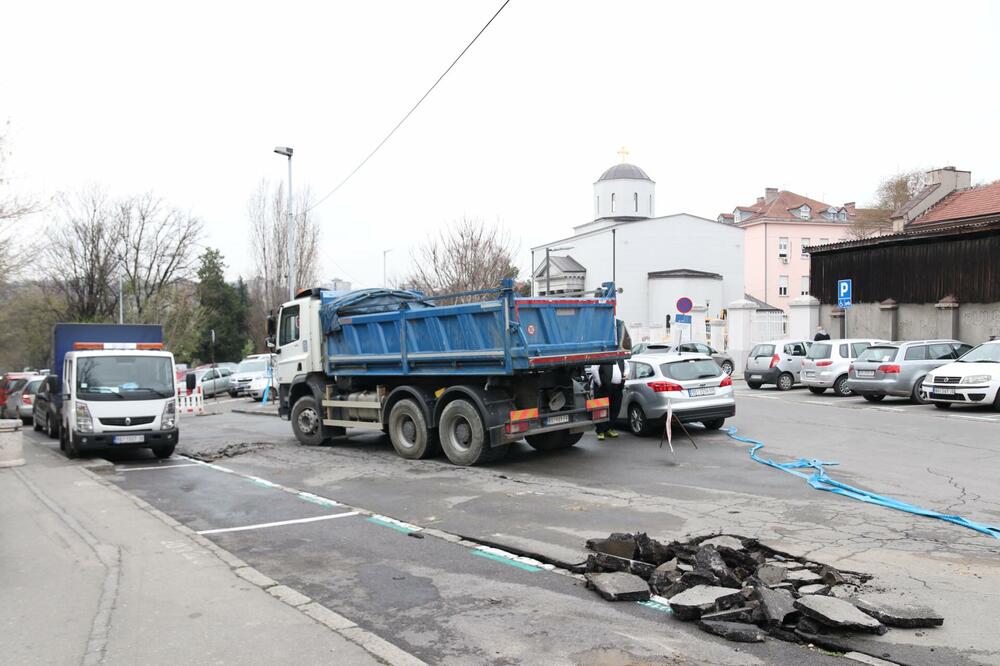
664,292
624,189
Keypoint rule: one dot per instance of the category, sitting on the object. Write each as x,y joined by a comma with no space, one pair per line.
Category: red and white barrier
190,402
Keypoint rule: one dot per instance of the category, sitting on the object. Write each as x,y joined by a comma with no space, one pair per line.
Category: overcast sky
714,100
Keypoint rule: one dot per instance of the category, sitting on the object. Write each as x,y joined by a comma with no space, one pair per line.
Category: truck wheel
68,447
463,435
51,428
162,452
552,441
409,433
306,422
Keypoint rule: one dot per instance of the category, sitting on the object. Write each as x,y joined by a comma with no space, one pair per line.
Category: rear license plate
755,377
128,439
865,373
808,373
943,391
701,391
556,420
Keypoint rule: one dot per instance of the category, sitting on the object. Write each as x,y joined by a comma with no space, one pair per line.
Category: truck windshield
251,366
124,377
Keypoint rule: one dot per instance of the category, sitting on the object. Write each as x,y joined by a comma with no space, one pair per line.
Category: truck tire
162,452
409,433
463,435
68,447
552,441
306,421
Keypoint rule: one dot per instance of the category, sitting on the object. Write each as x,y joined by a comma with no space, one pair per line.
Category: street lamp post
548,291
287,152
385,282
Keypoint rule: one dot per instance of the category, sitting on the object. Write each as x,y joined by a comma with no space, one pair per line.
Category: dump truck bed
499,336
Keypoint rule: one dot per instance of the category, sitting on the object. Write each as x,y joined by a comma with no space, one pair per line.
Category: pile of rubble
742,590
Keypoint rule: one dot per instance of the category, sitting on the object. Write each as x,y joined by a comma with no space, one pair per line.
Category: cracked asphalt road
550,503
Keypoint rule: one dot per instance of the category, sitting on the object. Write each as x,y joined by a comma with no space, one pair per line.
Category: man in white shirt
609,382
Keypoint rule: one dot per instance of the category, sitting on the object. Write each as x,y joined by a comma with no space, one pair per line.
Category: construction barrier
190,401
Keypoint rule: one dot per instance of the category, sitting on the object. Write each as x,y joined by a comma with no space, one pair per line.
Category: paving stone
837,613
733,631
618,544
691,604
770,574
775,605
651,550
708,561
605,562
904,616
818,588
618,586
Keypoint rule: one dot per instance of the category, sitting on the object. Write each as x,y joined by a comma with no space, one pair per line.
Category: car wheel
874,397
162,452
35,425
713,424
785,381
306,422
27,420
727,367
917,395
754,385
234,394
637,421
943,405
408,431
996,401
51,428
818,390
841,388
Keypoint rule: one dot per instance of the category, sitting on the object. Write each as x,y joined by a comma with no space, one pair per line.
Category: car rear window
696,368
762,350
820,350
878,354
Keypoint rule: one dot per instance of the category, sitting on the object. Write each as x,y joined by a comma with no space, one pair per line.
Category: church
654,260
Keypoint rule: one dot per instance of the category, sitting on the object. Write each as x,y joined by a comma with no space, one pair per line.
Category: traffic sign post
845,298
683,319
684,305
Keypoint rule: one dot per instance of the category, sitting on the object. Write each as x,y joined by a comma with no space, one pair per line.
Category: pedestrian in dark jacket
609,382
821,334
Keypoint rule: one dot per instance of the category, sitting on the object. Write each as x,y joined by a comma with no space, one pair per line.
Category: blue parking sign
845,290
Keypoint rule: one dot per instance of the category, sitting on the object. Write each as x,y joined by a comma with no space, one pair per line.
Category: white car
828,361
252,376
974,379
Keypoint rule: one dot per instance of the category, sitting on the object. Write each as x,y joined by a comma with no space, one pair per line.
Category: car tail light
823,364
726,381
26,398
599,414
664,387
774,361
889,369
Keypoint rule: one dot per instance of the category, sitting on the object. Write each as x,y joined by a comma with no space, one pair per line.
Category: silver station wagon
899,368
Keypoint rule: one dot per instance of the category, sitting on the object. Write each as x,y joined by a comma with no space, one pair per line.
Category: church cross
623,152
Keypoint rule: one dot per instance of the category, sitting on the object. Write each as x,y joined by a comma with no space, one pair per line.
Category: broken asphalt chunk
904,616
724,541
776,606
651,550
733,631
618,544
837,613
618,586
708,561
818,588
605,562
770,574
691,604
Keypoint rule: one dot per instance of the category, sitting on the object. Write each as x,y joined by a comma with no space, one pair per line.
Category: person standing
609,382
821,334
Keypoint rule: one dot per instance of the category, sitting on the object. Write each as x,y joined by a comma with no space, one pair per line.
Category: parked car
828,361
47,403
724,361
18,405
777,362
211,380
899,368
251,376
974,379
695,387
8,382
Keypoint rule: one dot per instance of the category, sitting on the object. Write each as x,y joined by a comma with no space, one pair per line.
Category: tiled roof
565,264
915,199
964,204
915,234
782,207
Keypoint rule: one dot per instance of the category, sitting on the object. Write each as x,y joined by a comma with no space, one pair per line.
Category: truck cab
298,346
118,396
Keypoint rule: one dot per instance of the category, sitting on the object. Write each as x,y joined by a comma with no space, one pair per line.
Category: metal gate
767,325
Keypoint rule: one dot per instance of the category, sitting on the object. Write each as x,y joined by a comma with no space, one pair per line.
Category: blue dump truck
467,379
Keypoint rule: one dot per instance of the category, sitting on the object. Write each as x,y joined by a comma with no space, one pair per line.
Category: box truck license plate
556,420
128,439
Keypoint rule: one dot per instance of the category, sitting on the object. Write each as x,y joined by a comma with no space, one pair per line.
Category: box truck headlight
169,416
84,422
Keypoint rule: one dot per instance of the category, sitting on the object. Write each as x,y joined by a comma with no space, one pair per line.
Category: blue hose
819,480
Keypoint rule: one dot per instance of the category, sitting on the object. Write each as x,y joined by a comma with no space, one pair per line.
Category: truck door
291,355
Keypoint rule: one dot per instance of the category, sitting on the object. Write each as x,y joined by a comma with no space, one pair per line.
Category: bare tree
892,192
268,286
12,209
157,247
468,255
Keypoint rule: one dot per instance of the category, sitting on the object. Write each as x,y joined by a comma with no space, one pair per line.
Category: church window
650,205
612,202
635,200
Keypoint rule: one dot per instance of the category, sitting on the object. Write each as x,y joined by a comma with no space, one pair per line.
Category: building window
783,247
782,285
612,202
842,216
635,200
651,205
805,286
805,244
597,209
804,212
824,241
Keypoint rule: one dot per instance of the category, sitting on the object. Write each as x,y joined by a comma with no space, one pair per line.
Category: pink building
777,229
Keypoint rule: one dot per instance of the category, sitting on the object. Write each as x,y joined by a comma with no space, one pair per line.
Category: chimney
850,207
770,194
760,200
950,178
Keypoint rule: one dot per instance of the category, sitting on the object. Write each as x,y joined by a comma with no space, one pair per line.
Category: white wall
664,292
659,244
623,189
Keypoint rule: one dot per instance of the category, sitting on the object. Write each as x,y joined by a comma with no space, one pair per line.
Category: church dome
624,171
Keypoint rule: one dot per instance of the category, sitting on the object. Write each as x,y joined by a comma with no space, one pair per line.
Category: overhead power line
408,113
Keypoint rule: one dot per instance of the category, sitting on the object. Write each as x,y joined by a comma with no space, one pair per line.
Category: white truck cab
118,396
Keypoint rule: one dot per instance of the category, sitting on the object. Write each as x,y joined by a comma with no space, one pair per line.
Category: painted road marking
818,402
657,603
968,416
398,525
279,523
757,395
886,409
526,563
139,469
316,499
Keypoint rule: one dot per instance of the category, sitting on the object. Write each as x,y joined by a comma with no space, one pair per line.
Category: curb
255,412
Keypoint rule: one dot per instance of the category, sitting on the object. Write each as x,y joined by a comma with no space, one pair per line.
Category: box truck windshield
124,378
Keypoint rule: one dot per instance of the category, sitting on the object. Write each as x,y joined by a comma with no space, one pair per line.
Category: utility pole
287,152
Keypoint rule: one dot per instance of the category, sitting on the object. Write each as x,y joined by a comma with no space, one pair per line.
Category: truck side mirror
269,342
271,328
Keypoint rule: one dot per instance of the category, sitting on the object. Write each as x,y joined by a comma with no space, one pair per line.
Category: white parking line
991,419
279,523
757,395
886,409
139,469
825,403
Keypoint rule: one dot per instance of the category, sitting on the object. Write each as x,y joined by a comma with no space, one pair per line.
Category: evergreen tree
224,310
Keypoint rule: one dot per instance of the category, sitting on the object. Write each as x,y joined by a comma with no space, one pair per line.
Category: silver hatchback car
777,362
899,368
693,386
828,361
